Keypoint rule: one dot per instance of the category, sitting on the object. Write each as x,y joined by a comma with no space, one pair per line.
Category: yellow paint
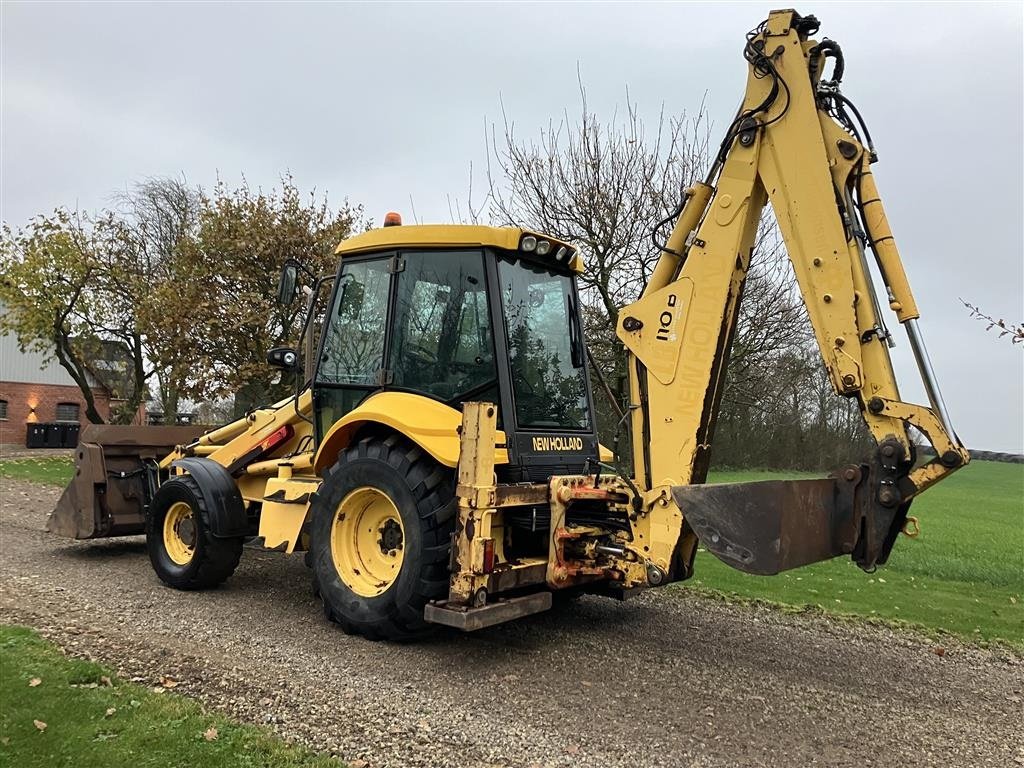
359,534
677,328
281,519
239,437
430,424
436,236
476,494
180,533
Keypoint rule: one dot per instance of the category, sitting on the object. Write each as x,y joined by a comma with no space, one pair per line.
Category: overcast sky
384,104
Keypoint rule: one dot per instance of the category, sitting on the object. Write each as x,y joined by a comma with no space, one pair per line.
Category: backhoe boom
793,146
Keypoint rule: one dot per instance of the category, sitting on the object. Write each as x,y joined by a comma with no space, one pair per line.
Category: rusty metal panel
110,489
470,619
772,526
520,495
508,576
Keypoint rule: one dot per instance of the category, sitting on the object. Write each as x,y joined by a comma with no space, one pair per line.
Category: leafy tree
175,285
67,293
225,275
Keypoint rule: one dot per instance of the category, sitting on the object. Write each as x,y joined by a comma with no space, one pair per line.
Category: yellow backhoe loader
439,462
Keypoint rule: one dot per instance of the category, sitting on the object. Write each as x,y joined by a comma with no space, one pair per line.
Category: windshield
546,358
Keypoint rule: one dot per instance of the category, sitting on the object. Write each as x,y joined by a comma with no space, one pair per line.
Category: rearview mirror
286,287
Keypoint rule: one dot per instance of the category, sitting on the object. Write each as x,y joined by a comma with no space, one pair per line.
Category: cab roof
446,236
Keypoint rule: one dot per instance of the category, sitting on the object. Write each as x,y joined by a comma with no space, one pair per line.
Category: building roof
33,366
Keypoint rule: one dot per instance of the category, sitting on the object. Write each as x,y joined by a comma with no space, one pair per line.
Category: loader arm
794,146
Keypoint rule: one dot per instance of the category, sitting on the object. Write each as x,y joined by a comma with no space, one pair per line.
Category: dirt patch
652,682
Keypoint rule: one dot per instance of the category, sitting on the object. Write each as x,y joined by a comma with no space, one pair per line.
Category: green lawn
58,711
964,574
52,470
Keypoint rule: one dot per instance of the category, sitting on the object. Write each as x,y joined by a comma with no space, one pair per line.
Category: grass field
66,712
52,470
964,574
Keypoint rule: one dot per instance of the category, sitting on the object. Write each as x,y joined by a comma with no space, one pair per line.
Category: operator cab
461,313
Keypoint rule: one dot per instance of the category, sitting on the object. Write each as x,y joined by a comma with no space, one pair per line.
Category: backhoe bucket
115,476
772,526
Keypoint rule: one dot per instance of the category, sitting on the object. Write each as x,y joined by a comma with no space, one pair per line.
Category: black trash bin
35,435
69,436
52,435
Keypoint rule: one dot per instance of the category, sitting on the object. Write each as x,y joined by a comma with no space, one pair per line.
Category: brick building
34,391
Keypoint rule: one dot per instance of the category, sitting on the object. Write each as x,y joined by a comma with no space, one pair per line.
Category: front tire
381,536
183,551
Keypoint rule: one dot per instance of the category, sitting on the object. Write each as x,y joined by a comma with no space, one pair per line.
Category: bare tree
159,215
604,186
601,186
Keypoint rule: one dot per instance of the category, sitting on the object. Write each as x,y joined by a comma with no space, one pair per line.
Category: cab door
353,349
442,344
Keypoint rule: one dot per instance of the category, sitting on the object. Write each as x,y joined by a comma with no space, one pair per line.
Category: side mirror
285,358
288,284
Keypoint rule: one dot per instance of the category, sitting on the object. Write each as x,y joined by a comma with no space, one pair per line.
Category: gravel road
664,680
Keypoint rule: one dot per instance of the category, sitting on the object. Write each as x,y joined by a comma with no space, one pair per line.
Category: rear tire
380,538
184,554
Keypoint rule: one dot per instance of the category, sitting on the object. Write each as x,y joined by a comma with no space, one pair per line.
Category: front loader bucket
115,476
772,526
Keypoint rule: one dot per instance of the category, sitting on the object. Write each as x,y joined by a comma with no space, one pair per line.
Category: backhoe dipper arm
794,145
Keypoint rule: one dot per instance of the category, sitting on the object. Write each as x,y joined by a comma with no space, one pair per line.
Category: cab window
353,350
442,340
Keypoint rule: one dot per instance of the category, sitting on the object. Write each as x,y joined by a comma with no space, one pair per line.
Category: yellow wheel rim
180,533
367,541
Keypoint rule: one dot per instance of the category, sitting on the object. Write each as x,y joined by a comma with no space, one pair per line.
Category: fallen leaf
110,712
938,650
159,689
168,682
572,749
210,734
357,763
107,681
34,682
39,724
